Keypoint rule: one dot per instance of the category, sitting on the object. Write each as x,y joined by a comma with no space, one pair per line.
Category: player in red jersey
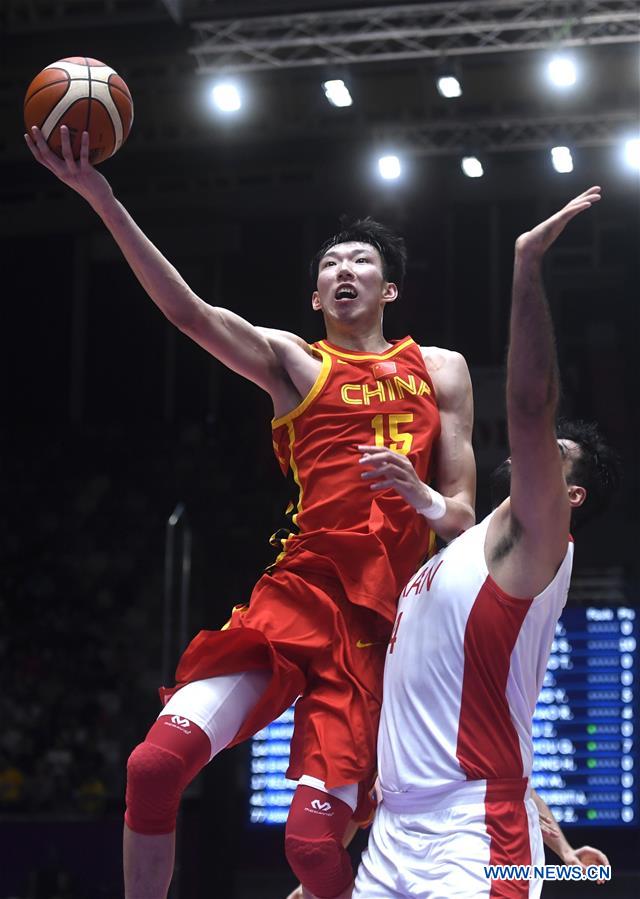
348,411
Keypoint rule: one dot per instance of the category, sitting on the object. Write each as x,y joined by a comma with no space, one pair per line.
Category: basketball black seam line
66,81
114,87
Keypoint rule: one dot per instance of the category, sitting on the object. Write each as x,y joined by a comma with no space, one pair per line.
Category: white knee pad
219,705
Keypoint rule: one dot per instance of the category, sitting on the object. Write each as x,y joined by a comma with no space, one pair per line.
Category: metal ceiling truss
416,31
446,137
507,134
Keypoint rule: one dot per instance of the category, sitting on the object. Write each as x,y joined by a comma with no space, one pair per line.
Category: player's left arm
449,509
554,838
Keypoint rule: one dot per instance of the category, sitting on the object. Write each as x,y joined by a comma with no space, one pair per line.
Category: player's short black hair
391,247
596,468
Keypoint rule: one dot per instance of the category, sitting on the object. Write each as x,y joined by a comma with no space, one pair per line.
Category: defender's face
500,479
350,281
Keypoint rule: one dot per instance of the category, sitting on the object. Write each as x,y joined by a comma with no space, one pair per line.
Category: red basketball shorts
319,647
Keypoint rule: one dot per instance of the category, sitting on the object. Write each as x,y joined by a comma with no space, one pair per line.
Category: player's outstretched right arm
227,336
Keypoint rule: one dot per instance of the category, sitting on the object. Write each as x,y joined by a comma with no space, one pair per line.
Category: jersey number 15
387,432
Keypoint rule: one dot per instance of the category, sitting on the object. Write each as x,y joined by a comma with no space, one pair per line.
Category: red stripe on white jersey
488,744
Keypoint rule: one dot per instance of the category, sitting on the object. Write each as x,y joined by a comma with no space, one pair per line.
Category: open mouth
346,293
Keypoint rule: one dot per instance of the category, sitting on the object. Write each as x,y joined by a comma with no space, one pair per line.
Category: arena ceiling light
226,96
562,71
449,86
389,167
632,152
337,92
472,167
561,159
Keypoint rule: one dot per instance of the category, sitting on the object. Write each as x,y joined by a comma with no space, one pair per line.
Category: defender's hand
392,469
78,174
537,241
586,856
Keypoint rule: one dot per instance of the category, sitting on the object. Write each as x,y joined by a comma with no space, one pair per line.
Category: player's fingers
382,485
38,141
40,149
381,463
84,150
596,855
33,148
369,475
584,201
591,195
375,458
595,189
385,455
556,224
65,141
373,450
571,209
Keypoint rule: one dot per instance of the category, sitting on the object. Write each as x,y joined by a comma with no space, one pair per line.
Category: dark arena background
112,421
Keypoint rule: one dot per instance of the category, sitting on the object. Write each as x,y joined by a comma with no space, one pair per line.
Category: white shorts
441,854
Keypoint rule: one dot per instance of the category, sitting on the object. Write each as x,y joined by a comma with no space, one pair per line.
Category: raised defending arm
534,526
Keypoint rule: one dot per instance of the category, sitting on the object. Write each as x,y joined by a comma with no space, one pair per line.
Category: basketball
85,95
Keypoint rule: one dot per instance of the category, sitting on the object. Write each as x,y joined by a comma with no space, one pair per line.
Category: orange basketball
85,95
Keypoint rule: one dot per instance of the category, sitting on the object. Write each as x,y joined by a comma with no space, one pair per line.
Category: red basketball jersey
372,542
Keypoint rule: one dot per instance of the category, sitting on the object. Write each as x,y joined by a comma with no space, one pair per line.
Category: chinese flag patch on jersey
384,369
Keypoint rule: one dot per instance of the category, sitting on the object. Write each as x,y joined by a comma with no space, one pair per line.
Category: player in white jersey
473,633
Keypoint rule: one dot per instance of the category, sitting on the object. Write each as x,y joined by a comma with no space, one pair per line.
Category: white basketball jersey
464,668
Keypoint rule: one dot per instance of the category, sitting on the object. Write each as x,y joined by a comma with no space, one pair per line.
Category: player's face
500,479
351,284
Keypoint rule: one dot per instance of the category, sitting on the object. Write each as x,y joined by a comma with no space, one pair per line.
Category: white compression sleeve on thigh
347,794
219,705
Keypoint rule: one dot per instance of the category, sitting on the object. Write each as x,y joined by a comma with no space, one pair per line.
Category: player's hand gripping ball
85,95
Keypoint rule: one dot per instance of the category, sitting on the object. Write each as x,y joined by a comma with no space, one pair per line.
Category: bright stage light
632,152
389,167
449,86
472,167
561,159
337,92
562,71
226,96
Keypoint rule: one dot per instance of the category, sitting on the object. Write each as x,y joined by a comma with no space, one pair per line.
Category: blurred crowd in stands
81,598
80,563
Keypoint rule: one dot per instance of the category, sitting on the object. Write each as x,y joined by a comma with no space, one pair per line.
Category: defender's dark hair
391,247
596,468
